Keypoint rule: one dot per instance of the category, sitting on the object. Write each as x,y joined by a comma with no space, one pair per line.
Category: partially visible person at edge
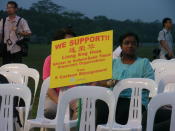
166,40
11,51
53,93
117,52
129,65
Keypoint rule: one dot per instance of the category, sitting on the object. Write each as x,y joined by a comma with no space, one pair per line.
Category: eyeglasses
134,43
10,7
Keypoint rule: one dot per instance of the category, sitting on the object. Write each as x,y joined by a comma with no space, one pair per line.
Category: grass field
37,54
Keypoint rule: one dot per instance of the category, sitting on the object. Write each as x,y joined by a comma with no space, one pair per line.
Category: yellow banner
80,60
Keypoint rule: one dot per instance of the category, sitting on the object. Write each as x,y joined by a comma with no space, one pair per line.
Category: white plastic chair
88,95
135,110
169,87
165,78
40,120
25,72
157,102
34,74
13,77
158,62
7,93
16,67
161,67
173,60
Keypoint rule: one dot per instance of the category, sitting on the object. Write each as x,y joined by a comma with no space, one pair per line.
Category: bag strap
164,34
18,22
3,30
17,25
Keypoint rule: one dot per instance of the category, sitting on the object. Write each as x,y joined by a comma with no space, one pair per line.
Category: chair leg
67,128
42,129
16,125
21,114
27,127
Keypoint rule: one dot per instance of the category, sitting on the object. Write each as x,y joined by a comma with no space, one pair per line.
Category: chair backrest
165,78
25,73
136,85
34,74
158,62
14,65
13,77
41,105
7,93
88,95
20,68
172,59
170,87
162,67
157,102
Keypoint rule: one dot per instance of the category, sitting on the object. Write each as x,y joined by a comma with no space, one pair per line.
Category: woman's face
129,46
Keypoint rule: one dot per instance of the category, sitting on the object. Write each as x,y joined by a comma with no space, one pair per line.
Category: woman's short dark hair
13,3
122,37
60,34
164,21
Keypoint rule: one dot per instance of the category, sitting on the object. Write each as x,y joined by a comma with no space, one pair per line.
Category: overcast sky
146,10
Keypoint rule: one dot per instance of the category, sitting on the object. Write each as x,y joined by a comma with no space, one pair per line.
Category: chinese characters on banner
81,59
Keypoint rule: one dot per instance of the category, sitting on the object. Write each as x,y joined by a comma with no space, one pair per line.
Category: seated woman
129,65
52,99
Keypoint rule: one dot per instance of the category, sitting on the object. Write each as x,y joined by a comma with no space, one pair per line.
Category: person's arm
1,28
24,33
46,67
52,94
26,30
107,83
164,44
148,71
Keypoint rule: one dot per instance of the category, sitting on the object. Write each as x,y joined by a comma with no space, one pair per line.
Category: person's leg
162,126
74,110
17,57
122,111
144,121
163,114
6,58
162,119
50,110
102,112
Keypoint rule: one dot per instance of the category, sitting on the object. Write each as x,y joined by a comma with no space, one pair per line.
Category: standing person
13,30
166,40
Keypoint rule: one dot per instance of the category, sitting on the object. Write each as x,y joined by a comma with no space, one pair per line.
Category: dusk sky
146,10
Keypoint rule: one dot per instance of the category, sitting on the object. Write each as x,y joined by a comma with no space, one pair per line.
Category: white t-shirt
117,52
9,33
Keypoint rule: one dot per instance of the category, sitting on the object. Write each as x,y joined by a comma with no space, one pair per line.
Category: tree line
45,17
